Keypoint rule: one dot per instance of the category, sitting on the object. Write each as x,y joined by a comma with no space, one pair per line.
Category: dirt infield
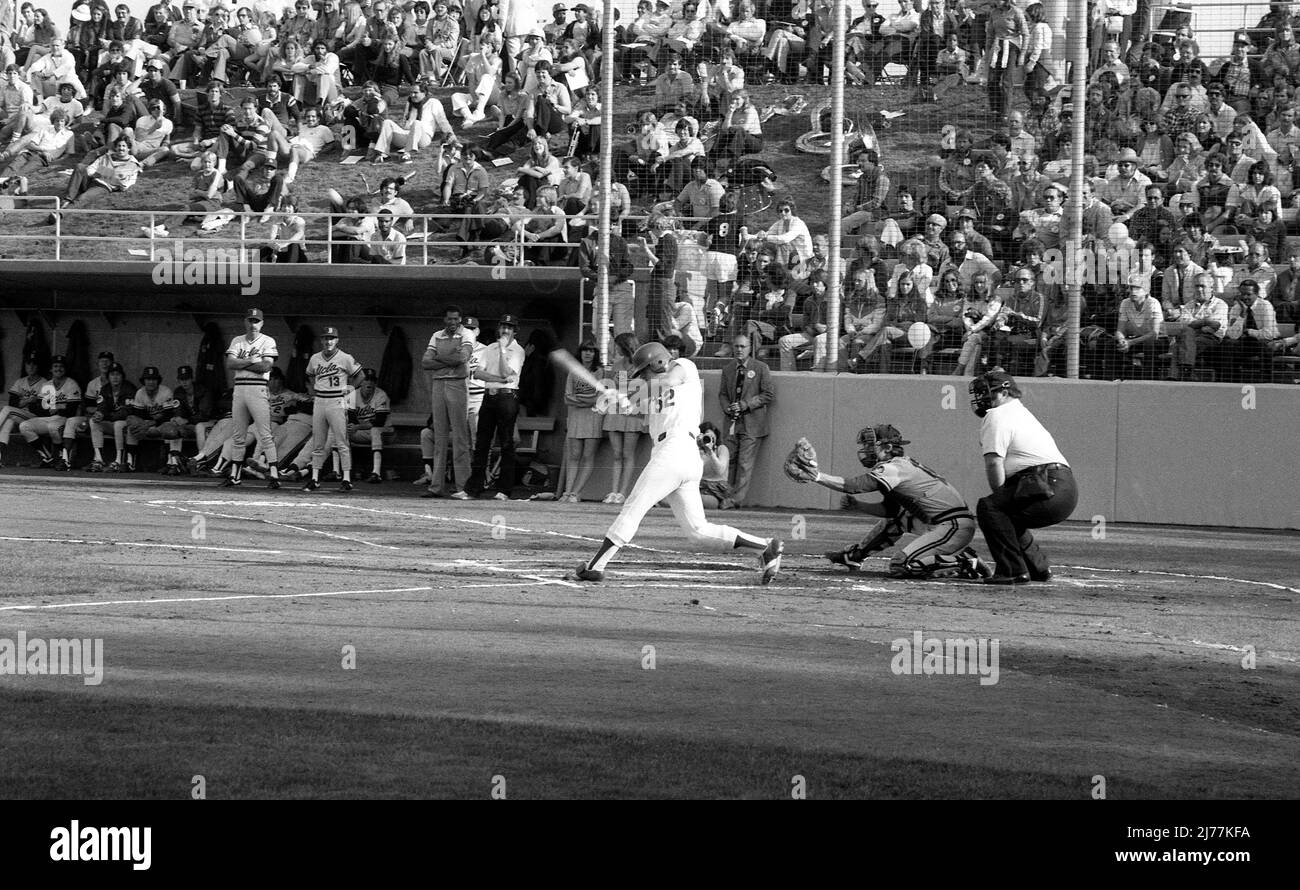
225,619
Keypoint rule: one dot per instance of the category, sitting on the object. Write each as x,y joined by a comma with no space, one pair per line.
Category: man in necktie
744,396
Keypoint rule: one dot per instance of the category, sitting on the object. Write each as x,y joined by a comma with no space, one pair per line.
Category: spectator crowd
1188,193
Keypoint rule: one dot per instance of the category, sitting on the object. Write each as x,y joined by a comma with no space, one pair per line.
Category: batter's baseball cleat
273,484
312,485
770,560
841,558
582,573
345,486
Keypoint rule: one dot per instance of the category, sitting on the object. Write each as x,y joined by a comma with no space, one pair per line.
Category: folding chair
454,67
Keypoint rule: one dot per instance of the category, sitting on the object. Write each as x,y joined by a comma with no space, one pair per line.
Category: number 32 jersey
675,411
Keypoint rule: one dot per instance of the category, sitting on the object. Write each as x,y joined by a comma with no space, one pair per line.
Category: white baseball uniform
250,403
328,376
11,416
673,473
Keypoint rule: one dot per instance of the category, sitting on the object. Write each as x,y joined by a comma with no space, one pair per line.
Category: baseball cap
58,360
559,7
330,332
106,354
470,322
967,213
158,64
937,219
150,373
369,374
116,366
583,7
508,319
255,314
184,372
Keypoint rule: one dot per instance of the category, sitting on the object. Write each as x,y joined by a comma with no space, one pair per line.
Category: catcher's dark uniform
913,493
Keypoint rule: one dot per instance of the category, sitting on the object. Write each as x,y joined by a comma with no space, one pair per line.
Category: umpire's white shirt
1014,434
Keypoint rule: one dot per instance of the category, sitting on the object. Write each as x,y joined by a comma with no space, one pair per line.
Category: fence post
424,222
58,228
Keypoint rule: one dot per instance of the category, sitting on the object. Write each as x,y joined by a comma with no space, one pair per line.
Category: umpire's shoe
582,573
842,558
770,560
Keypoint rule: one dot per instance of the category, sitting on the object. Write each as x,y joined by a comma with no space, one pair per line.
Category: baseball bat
566,360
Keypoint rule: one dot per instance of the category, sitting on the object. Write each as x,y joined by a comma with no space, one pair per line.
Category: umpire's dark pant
1005,521
497,416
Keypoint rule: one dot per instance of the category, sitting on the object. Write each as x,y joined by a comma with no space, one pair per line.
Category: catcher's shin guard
884,534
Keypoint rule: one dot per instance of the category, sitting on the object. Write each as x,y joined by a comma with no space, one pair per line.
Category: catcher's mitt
801,464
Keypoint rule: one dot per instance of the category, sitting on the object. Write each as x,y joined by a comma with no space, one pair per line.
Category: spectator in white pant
424,119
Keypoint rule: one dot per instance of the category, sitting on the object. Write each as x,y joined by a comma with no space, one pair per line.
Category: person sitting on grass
258,191
36,150
92,183
425,120
312,139
151,135
213,115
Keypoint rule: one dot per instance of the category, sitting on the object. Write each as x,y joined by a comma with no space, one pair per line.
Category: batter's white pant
672,475
329,421
250,406
10,418
934,548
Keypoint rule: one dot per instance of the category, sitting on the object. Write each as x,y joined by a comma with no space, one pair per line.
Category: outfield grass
907,147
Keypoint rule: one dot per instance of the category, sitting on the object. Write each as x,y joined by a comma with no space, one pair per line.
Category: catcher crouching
912,495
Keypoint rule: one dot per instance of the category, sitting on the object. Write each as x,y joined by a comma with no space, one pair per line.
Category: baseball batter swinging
911,492
251,356
329,373
673,473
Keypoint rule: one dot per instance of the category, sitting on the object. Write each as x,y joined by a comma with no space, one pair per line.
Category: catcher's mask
984,388
652,358
881,434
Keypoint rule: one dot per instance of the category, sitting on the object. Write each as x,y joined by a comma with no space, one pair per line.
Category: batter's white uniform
250,405
329,378
673,473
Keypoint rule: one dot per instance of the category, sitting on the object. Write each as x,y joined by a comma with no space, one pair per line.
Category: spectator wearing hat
1236,76
499,368
975,240
156,85
555,28
584,31
1125,192
934,251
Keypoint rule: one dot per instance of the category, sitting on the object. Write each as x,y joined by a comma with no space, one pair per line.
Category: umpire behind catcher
1031,482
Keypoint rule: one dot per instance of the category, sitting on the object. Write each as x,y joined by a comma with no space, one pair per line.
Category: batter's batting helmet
881,434
652,357
985,387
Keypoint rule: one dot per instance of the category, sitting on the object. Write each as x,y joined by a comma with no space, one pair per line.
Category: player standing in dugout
251,356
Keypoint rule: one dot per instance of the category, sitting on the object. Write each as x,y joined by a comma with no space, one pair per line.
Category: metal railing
431,232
